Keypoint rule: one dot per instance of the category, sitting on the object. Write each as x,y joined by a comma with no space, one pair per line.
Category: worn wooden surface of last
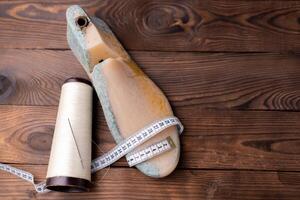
231,70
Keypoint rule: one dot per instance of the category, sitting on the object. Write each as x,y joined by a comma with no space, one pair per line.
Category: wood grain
182,184
240,107
32,77
212,139
221,81
168,25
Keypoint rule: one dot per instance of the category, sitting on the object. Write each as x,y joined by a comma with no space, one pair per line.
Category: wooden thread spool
69,168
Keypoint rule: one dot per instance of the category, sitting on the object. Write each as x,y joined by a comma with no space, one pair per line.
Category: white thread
108,166
71,147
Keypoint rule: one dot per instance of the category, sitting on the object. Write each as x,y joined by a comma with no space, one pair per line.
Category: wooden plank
182,184
34,77
168,25
236,81
212,139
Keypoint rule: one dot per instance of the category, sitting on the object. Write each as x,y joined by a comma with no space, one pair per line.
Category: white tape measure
124,148
40,187
150,152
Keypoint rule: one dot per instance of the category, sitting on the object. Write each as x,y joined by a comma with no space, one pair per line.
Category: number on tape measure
122,149
150,152
133,141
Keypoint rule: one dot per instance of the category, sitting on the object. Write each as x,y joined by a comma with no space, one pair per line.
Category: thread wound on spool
70,159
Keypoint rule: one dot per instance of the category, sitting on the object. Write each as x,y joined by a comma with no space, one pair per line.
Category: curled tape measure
124,148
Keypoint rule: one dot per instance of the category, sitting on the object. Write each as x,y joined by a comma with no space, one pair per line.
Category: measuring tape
124,148
39,187
150,152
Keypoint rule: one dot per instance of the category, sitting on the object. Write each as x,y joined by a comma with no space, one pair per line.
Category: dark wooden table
230,69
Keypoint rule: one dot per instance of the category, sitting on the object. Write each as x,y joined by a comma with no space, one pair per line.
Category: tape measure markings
40,187
122,149
133,141
150,152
